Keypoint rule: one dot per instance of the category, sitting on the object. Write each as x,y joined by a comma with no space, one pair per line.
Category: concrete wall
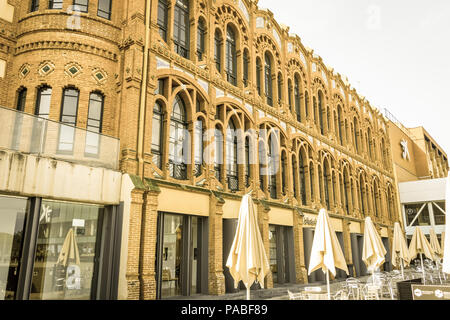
28,175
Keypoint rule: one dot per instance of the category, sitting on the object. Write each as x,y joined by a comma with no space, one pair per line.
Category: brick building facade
208,68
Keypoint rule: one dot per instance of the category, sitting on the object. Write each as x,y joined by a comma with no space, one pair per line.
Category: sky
396,53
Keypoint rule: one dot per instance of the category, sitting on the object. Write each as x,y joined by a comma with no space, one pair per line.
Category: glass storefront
66,247
273,253
412,210
12,220
180,255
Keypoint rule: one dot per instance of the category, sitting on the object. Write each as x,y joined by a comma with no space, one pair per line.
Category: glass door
12,218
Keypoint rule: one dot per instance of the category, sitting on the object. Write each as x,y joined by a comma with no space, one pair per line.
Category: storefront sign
309,221
421,292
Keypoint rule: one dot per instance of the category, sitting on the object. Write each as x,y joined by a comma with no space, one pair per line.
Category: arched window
201,35
81,5
326,177
321,113
157,134
218,50
68,117
280,88
268,79
55,4
297,98
198,152
302,171
258,75
290,94
361,195
34,5
104,9
245,60
320,178
163,13
231,57
232,157
339,128
283,173
94,123
178,148
21,99
311,179
347,190
355,133
218,138
247,162
306,104
44,96
314,111
295,174
375,198
273,166
181,28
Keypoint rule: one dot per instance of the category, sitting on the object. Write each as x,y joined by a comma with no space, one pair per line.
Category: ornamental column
216,284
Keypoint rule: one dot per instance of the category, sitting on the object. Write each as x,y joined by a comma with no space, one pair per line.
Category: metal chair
371,292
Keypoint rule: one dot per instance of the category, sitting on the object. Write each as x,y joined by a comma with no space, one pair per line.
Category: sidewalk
279,292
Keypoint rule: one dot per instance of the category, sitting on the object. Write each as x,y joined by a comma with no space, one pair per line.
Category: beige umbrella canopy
247,260
420,246
374,252
434,243
400,253
69,253
326,252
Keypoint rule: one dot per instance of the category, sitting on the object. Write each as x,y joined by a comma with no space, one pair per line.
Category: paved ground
277,293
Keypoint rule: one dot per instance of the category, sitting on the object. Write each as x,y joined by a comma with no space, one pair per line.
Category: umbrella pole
248,293
328,285
423,270
403,275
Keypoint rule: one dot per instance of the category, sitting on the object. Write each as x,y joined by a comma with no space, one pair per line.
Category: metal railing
30,134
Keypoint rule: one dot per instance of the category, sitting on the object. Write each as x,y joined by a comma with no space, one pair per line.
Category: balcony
29,134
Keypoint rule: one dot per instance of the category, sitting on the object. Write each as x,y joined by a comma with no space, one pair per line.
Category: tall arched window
290,94
231,57
21,99
273,165
157,134
181,26
245,62
283,173
297,98
163,13
68,117
218,138
201,35
311,179
355,134
34,5
361,195
347,189
306,104
94,123
198,152
104,9
295,174
302,171
258,75
314,111
339,128
280,87
320,178
44,96
232,157
247,162
268,80
178,149
218,50
321,112
326,177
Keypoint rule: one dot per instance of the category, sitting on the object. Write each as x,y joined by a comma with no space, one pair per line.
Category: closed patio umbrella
374,251
247,260
420,246
326,252
446,246
434,243
69,253
400,254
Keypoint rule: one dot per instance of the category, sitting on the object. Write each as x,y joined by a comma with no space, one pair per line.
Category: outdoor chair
353,286
371,292
341,295
294,296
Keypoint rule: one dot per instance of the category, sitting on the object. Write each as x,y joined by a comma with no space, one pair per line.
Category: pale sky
396,53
